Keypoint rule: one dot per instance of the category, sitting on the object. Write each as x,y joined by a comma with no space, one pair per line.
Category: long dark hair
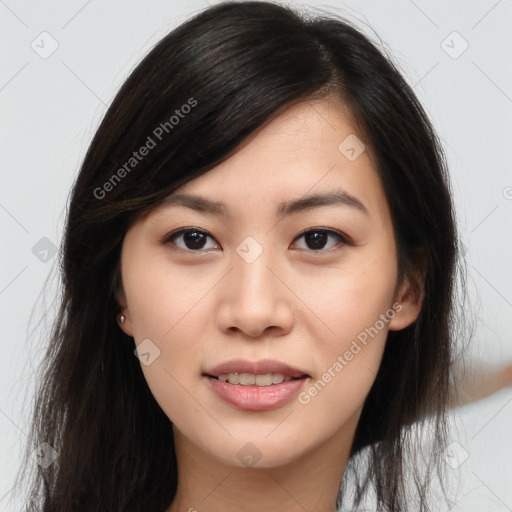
197,95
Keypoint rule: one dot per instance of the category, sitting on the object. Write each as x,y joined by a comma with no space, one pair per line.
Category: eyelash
169,239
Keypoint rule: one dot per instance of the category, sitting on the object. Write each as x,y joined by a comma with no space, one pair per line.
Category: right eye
190,239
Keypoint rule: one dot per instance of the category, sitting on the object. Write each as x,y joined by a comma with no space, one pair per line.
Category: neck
311,482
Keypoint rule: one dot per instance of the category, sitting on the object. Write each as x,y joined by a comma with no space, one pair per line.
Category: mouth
255,392
262,373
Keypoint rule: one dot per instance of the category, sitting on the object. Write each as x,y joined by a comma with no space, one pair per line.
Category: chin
256,452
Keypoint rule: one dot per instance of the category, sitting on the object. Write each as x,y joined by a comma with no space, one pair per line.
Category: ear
126,326
409,297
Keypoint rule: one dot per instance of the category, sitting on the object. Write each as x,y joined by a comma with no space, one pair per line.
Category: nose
254,300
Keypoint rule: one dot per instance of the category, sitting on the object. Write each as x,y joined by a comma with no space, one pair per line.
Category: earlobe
123,318
410,302
124,323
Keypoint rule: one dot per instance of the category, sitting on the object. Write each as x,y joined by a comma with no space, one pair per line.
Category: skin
292,303
480,380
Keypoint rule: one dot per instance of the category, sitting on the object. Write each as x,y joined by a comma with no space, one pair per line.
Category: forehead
310,148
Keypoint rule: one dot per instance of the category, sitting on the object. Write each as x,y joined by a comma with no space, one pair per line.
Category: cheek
164,300
168,307
349,300
357,306
349,330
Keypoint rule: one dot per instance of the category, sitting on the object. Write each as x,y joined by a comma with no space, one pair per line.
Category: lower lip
256,398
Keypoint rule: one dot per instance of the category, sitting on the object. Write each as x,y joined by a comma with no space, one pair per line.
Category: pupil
317,239
196,239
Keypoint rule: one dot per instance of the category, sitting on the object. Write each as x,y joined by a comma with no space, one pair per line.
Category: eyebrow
201,204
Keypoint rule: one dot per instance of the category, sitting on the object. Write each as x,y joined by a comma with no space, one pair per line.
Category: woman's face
268,275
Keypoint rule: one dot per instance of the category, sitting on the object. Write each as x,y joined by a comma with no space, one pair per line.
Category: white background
51,107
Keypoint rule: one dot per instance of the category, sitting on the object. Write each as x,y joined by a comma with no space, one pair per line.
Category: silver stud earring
122,318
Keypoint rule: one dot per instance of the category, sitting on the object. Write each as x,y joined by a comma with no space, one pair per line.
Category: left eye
195,240
317,239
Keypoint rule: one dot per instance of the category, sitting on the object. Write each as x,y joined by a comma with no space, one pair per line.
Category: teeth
249,379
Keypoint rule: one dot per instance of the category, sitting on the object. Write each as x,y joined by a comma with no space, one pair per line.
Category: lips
261,367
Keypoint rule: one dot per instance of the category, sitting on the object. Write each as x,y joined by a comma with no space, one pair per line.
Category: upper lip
255,367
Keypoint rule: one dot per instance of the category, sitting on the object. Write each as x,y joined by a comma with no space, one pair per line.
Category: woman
264,219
